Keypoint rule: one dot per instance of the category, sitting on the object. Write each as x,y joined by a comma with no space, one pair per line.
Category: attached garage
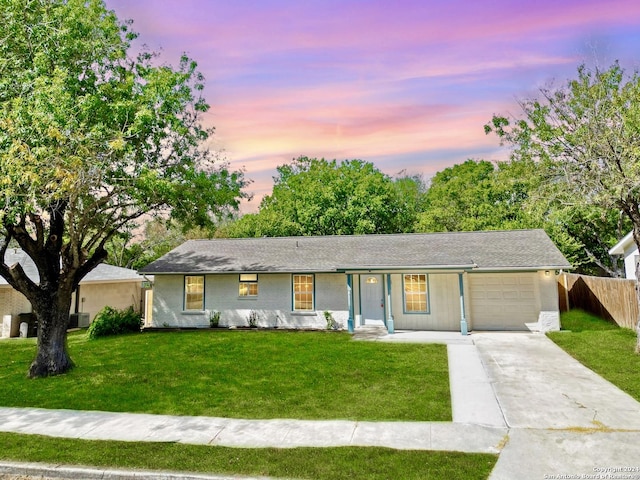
503,301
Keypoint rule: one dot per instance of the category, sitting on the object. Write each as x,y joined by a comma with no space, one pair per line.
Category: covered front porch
432,300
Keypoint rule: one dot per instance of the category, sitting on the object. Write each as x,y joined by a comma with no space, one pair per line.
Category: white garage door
504,301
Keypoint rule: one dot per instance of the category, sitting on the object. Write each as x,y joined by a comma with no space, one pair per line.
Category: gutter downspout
463,319
390,326
350,301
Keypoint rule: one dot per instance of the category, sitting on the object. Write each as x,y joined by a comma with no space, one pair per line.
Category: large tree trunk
636,237
52,357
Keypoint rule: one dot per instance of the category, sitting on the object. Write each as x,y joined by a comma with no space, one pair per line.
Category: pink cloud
408,86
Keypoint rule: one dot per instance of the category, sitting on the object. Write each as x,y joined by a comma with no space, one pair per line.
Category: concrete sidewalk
251,433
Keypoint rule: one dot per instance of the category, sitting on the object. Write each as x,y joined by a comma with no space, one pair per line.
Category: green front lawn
602,346
238,374
349,463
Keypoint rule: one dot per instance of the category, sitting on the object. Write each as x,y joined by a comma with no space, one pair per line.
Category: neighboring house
627,247
108,285
494,280
105,285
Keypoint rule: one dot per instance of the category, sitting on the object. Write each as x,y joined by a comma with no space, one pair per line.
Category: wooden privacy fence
610,298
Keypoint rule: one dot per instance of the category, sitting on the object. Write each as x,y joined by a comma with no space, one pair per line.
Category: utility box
6,326
78,320
29,319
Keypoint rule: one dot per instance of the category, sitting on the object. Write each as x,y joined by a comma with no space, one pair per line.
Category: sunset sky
405,84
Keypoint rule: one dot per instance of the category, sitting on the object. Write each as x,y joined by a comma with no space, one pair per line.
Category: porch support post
463,317
390,327
350,301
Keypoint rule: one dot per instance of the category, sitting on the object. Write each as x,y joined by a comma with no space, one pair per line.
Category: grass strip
603,347
238,374
349,463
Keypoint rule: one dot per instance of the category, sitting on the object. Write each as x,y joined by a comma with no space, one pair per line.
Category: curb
43,471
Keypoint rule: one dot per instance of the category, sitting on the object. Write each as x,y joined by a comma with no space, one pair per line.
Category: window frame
249,283
186,293
426,293
313,292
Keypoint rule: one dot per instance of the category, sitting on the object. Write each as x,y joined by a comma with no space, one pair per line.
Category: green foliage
214,319
253,318
160,237
109,135
320,197
479,195
585,135
92,138
474,195
110,321
331,322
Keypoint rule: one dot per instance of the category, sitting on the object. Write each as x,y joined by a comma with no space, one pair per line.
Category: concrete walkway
516,394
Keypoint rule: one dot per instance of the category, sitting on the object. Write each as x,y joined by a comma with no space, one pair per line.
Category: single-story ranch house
493,280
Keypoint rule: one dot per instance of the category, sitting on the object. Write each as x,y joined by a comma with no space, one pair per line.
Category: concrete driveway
564,420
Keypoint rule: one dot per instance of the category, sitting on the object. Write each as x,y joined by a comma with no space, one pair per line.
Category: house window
248,286
194,292
303,292
415,293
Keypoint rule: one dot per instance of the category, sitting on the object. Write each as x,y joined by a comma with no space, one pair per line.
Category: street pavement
514,394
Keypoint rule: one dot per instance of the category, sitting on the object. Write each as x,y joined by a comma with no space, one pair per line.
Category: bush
331,322
110,321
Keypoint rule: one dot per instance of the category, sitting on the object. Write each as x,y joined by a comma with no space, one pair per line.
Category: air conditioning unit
78,320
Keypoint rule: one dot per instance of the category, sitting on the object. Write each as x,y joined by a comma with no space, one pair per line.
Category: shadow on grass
579,321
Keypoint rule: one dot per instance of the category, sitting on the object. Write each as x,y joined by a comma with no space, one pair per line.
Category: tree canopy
586,134
320,197
91,139
480,195
469,196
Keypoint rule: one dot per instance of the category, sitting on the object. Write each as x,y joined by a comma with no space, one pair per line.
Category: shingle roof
515,249
103,273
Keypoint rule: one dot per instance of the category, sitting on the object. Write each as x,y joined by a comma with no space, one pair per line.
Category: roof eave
523,268
469,266
620,247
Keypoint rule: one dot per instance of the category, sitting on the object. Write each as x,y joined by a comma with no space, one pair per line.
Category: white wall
96,296
273,303
13,302
548,285
444,302
630,261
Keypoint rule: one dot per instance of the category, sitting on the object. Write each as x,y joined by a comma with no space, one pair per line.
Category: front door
372,299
